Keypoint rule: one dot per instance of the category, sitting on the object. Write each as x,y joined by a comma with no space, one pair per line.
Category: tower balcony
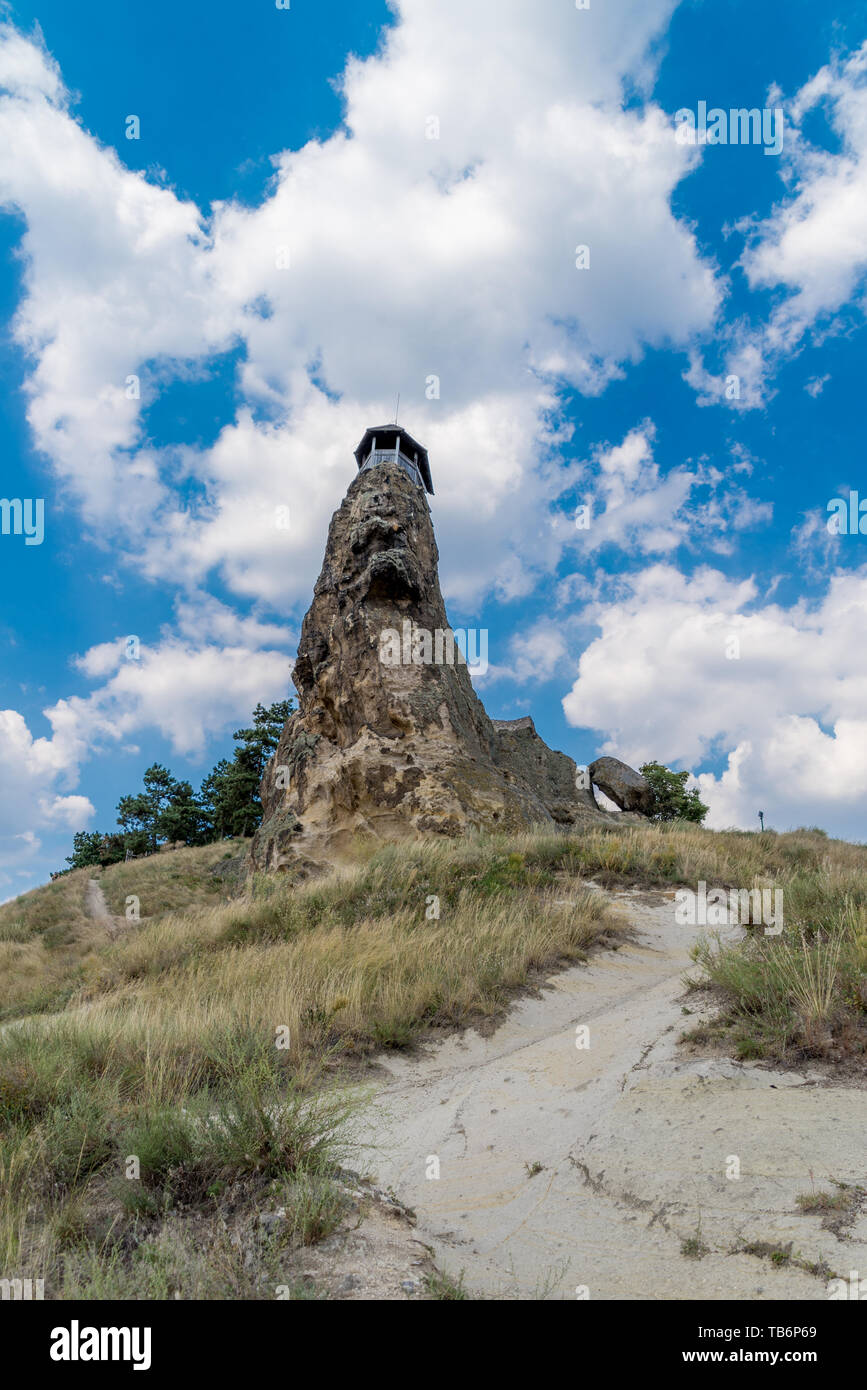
389,456
393,444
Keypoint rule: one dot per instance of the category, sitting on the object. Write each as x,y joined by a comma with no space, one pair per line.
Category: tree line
169,811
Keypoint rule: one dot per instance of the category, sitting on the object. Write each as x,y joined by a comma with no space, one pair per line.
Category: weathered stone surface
626,787
394,750
523,754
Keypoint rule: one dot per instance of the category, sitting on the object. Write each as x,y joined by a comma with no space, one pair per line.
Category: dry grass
49,945
373,984
197,1043
352,962
239,1009
172,880
58,906
802,993
43,936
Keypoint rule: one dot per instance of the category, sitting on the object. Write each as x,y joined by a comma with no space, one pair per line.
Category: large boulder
390,738
625,787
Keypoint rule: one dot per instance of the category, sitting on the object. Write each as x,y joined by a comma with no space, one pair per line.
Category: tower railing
388,456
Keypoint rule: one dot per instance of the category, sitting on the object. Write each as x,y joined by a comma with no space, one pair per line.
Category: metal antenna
397,408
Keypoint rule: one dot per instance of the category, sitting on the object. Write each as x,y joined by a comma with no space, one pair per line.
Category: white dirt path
635,1139
97,908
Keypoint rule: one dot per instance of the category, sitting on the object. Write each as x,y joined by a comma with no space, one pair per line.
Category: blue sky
705,617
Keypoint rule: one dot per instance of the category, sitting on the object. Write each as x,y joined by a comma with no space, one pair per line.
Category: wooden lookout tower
393,444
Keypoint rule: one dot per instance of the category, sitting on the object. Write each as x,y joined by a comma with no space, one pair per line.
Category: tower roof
387,436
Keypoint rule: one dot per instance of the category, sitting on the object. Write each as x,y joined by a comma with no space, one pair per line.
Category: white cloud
114,276
33,775
191,685
787,716
634,505
71,812
211,668
187,694
409,258
816,385
812,249
26,68
534,655
816,548
815,243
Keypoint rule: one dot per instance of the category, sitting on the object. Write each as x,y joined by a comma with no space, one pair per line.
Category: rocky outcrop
390,738
525,756
626,787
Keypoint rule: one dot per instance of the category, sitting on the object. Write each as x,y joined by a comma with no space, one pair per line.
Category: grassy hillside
47,937
206,1041
175,879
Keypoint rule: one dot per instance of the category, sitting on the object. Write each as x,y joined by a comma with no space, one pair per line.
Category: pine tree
86,848
140,815
230,792
183,818
168,810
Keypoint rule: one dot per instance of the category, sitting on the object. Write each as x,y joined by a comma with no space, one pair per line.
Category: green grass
825,1201
203,1042
172,880
693,1248
443,1287
803,993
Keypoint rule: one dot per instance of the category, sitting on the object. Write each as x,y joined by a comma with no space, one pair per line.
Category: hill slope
205,1040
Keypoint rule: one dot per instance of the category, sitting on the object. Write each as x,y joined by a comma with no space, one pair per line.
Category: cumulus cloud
187,694
698,670
69,812
630,502
811,250
212,667
201,676
114,277
381,259
33,773
814,242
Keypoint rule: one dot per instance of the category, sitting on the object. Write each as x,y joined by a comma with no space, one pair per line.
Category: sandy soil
572,1172
97,908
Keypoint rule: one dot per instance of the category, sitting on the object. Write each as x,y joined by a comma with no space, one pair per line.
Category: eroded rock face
394,748
626,787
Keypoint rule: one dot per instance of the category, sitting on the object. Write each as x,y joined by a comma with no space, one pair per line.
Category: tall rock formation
389,738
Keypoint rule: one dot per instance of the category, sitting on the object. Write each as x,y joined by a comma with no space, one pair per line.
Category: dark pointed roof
386,437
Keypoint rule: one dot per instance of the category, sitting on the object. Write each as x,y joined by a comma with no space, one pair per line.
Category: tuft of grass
315,1207
443,1286
694,1248
823,1202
